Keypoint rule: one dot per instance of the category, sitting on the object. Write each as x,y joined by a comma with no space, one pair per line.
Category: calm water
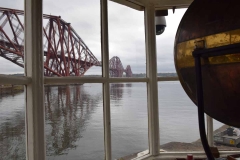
74,120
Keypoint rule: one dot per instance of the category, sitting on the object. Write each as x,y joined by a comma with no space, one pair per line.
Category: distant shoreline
142,75
10,89
166,74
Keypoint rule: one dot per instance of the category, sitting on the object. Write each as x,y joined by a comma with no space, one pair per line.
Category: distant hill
142,75
17,74
159,75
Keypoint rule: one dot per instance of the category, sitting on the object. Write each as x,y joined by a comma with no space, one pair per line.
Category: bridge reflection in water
12,127
68,112
74,119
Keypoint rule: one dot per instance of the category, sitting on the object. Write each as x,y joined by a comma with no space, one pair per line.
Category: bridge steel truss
65,53
116,68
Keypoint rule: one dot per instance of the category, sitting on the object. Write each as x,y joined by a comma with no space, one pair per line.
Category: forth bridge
65,53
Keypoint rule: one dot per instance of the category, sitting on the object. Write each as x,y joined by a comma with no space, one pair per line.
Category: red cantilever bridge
65,53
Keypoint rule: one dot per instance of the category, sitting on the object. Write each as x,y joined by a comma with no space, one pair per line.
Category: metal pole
210,130
200,103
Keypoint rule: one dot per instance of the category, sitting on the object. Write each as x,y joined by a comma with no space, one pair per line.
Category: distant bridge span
65,53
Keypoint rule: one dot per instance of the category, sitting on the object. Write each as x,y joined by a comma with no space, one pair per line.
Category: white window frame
34,82
33,60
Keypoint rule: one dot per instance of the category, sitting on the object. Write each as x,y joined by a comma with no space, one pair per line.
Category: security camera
160,23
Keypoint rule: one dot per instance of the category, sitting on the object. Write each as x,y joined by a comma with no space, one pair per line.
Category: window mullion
105,71
33,59
19,80
152,85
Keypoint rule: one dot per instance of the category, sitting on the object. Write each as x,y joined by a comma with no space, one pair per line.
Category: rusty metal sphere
217,23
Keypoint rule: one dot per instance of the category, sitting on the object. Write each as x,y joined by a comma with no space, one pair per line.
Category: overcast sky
126,32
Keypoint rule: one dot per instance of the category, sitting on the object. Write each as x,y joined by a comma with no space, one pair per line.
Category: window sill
174,155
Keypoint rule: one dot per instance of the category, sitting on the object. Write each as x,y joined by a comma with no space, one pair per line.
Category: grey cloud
126,32
7,67
15,4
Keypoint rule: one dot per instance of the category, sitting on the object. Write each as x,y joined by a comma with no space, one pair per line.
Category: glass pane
77,50
74,122
12,122
129,119
178,119
126,41
165,43
11,39
226,137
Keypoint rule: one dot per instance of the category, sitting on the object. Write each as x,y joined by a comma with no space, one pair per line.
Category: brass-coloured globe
217,23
